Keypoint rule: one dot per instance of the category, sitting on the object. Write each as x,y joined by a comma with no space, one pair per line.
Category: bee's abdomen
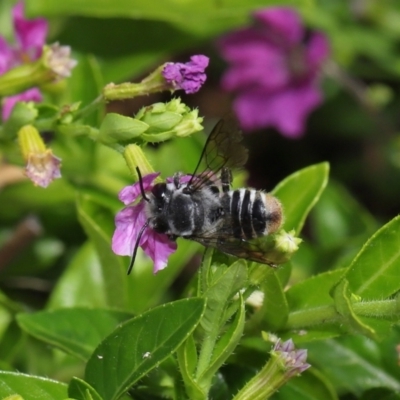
253,213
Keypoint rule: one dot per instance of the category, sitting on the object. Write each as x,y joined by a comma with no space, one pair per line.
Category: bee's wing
220,238
223,148
238,248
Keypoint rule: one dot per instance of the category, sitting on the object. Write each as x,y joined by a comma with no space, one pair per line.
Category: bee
204,208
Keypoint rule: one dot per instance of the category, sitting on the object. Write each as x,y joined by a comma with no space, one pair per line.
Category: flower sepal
170,76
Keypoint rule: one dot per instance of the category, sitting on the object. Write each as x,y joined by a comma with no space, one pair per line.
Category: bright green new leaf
31,387
74,330
139,345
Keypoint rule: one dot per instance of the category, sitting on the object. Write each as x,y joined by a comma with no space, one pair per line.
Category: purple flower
130,220
274,68
30,37
188,76
294,361
42,169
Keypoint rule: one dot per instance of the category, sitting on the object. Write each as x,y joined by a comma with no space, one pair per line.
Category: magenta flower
130,220
30,37
188,76
274,70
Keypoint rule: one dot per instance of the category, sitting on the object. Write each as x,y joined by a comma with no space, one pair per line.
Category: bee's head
156,207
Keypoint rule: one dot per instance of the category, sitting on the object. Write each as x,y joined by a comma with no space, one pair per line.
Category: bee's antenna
137,245
141,186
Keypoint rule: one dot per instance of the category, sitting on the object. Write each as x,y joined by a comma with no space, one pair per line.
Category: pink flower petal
159,247
6,56
318,50
273,70
286,110
43,168
188,76
282,24
129,194
130,221
31,34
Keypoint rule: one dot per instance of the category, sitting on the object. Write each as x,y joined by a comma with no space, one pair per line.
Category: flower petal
188,76
31,34
6,56
43,168
129,222
158,247
9,102
286,110
318,50
281,24
129,194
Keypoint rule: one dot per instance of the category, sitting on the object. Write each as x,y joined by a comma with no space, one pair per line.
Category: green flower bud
117,128
280,247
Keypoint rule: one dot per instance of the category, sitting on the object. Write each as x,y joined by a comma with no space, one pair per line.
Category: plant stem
328,314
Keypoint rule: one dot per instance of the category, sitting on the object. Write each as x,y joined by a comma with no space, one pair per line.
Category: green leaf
350,368
273,313
187,358
313,292
226,344
337,217
343,304
31,387
141,344
218,297
299,192
98,223
81,390
193,15
371,274
82,283
220,292
63,328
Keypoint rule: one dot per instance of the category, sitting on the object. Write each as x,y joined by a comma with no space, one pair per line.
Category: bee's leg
177,180
226,179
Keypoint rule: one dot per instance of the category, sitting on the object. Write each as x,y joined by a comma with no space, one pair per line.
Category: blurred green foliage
61,284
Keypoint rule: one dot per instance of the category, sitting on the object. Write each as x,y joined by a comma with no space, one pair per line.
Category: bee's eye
159,190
